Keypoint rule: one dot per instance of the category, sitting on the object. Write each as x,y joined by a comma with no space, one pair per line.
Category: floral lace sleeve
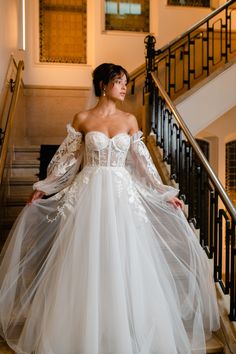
143,170
64,164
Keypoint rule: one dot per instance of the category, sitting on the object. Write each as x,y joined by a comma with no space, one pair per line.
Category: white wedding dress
106,265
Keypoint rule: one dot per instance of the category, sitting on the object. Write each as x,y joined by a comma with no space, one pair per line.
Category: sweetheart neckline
109,138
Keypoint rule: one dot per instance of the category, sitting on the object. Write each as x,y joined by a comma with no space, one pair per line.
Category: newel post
150,42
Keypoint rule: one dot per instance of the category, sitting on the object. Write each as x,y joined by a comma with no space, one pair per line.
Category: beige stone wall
48,110
218,133
133,102
125,48
8,35
19,136
45,111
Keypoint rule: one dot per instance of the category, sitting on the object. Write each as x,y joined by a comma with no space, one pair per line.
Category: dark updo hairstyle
104,73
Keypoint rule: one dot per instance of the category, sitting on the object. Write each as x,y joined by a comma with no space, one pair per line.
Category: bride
108,264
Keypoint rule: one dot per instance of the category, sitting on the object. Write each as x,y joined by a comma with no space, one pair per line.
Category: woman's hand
35,195
176,202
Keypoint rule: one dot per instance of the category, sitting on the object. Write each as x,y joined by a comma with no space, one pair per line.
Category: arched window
62,31
230,173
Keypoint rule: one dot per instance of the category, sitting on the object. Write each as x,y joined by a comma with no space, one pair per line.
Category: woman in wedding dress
108,264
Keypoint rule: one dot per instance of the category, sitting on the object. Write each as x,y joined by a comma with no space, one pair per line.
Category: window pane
196,3
111,7
127,15
124,9
63,31
135,9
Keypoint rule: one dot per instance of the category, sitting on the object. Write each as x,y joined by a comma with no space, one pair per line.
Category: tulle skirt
105,267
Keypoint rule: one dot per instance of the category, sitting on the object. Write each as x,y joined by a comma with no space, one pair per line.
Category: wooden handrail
10,118
142,68
209,206
198,24
12,63
218,186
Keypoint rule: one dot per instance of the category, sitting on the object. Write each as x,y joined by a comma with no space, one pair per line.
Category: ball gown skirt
106,266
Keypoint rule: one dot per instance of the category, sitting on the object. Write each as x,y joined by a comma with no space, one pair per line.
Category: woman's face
117,87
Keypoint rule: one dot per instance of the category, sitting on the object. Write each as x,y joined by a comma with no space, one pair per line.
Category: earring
104,92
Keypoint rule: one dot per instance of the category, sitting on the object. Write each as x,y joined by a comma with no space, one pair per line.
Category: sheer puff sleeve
143,170
64,164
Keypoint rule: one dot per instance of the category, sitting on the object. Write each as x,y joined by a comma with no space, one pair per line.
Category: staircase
213,346
22,174
218,343
166,62
216,105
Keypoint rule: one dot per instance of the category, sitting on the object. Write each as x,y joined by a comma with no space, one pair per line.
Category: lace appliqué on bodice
104,151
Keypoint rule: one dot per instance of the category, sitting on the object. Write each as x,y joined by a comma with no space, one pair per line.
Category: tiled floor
4,349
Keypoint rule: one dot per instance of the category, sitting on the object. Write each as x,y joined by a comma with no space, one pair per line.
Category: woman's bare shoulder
132,123
79,119
129,117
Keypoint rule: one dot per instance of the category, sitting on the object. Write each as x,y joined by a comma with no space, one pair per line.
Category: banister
137,72
209,207
10,118
11,63
159,54
211,174
197,25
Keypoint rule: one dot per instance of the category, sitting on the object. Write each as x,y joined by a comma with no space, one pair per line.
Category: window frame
43,59
125,31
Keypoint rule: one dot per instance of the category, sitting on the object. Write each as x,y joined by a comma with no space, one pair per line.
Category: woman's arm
63,166
144,169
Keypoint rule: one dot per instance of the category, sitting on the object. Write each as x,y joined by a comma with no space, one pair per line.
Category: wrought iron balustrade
209,207
196,53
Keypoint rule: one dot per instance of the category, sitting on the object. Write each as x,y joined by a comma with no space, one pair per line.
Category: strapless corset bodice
100,150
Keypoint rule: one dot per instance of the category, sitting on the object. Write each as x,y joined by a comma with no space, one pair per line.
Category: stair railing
8,112
209,207
195,54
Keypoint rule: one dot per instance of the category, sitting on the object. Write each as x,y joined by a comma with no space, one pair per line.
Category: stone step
214,345
29,163
15,202
25,171
25,163
6,225
17,199
28,148
24,168
21,187
11,211
26,152
4,349
21,192
22,180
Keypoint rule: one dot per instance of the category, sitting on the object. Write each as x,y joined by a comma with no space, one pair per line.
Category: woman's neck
105,106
